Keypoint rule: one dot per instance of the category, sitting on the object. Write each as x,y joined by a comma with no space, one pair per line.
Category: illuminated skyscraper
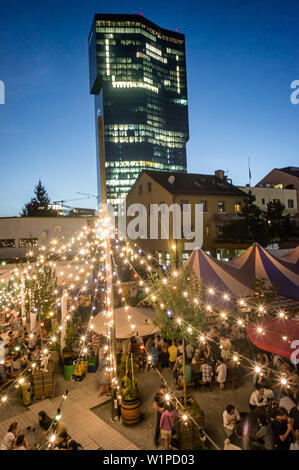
138,77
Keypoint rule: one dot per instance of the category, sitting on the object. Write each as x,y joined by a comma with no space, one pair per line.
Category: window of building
263,201
149,187
140,189
205,206
7,243
208,230
237,206
160,258
221,206
219,230
28,242
290,203
167,259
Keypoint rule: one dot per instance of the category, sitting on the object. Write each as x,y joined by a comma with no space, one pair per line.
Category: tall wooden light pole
108,264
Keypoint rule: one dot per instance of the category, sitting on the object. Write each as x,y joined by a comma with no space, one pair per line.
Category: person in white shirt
230,417
189,351
10,437
287,403
257,398
221,372
159,342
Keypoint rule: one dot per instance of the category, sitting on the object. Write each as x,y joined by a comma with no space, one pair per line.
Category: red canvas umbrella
274,335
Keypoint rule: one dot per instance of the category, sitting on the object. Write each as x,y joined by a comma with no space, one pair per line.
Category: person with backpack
167,424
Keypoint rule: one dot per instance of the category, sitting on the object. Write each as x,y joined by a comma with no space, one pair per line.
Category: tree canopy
39,204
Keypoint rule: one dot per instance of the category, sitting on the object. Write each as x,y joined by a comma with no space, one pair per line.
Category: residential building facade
221,203
282,178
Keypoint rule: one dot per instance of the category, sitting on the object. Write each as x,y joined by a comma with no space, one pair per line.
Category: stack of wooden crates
43,382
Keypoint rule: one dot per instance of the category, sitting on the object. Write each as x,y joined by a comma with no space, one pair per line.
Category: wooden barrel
130,412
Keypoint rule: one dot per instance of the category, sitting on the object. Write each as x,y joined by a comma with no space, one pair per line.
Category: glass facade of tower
138,77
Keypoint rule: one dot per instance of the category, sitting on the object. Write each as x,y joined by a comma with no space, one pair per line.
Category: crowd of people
20,349
15,440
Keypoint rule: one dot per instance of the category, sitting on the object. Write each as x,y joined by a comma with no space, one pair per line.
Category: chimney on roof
219,174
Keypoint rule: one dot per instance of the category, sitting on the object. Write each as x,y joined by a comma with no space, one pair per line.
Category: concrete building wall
264,195
18,235
278,177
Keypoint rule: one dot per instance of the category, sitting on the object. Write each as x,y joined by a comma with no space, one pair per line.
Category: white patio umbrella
140,323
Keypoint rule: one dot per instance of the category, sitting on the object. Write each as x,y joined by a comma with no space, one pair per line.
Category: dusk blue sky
241,58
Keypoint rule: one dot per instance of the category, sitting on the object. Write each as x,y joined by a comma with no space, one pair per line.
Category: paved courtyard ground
213,403
88,417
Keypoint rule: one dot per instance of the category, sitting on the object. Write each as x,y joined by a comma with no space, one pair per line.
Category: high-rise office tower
138,77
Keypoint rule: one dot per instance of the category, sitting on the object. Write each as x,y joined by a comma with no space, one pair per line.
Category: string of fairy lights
94,251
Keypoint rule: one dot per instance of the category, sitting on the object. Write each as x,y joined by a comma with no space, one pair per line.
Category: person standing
189,351
159,406
294,414
206,374
173,353
295,445
221,372
264,432
167,424
226,346
103,376
282,430
21,443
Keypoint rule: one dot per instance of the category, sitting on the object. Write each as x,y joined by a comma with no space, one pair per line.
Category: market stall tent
275,335
257,263
292,256
220,277
140,323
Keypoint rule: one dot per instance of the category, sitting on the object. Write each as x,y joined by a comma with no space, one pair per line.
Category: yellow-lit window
237,207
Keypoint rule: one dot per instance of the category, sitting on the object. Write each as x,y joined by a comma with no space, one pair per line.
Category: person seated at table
257,398
73,445
10,437
21,443
61,441
44,420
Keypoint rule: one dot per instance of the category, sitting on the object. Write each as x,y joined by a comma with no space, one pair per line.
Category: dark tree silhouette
39,204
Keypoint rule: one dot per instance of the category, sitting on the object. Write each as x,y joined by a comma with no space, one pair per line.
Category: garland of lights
100,230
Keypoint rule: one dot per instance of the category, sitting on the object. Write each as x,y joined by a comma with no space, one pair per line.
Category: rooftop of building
193,183
136,17
291,170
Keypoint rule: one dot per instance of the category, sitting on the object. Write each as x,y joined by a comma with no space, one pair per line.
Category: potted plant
68,359
189,433
130,403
